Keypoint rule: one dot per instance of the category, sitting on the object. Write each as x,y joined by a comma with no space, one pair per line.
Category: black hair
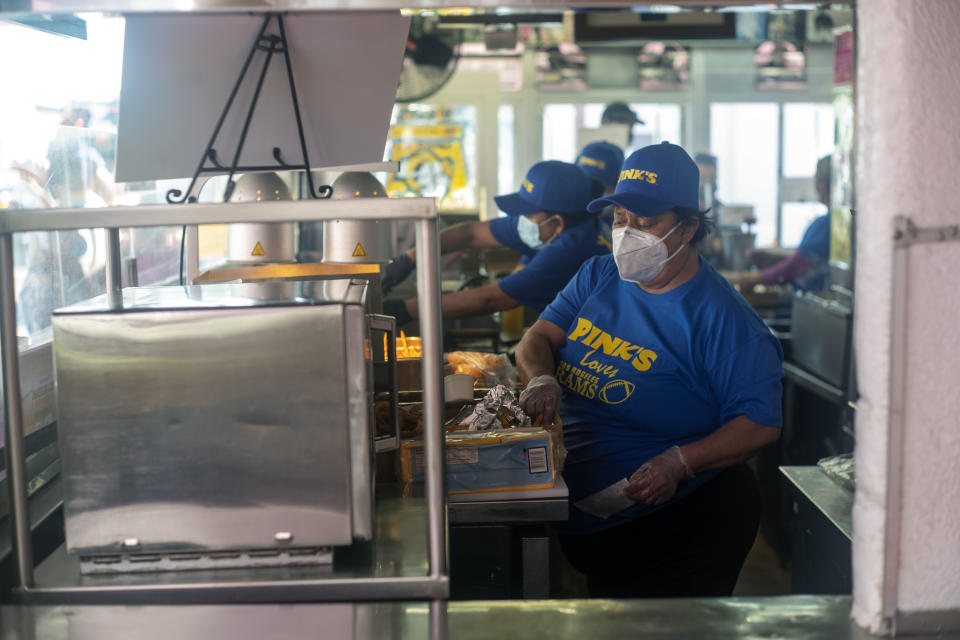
708,223
705,159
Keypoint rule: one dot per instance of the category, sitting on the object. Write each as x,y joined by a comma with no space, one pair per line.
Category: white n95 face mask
640,255
529,232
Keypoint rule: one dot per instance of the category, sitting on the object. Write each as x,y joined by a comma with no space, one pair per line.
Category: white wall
908,110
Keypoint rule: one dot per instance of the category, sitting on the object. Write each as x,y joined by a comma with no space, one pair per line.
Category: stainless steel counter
508,511
835,502
399,550
511,507
798,617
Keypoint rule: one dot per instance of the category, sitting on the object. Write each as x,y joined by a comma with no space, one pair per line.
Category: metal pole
431,331
191,253
113,267
438,620
896,426
13,430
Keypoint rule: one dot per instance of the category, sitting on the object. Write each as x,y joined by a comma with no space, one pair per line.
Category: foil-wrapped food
499,409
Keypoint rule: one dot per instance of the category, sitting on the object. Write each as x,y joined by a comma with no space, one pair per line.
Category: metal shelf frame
432,586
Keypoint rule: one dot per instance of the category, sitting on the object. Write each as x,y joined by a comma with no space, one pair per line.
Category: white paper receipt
607,502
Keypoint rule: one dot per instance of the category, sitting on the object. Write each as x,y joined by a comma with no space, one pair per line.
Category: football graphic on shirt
617,391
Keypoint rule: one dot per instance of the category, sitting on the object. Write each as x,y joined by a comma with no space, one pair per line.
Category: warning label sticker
537,457
258,250
358,251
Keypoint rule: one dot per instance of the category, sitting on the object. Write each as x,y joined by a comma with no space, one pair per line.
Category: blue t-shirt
549,268
643,372
815,245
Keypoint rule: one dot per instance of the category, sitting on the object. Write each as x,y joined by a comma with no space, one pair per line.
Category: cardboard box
485,461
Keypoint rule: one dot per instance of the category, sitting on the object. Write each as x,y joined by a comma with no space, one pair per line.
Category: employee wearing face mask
666,381
546,221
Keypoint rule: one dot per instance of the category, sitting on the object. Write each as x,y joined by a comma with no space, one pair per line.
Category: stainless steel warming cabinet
216,425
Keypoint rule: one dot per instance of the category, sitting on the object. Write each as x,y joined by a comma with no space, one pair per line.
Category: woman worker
547,221
808,267
666,381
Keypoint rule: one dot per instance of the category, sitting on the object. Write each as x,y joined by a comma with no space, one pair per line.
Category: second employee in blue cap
601,161
547,221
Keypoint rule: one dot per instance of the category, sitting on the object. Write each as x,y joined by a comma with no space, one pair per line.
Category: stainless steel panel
14,452
349,241
834,501
235,296
796,617
14,221
204,428
821,329
276,243
20,7
392,567
512,511
535,552
421,209
359,401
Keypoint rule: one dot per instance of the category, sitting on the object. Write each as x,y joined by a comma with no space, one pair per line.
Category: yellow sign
258,250
358,251
426,132
433,163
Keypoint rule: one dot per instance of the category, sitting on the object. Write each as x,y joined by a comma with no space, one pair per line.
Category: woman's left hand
656,481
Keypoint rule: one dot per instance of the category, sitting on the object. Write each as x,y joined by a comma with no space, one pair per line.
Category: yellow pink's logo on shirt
638,174
593,162
527,185
597,339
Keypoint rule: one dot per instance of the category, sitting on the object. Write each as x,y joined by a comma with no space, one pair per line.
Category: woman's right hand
541,397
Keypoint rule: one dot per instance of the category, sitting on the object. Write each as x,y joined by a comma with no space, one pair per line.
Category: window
57,149
505,149
807,136
561,123
744,138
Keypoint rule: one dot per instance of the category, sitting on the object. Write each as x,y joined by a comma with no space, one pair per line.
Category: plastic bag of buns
486,369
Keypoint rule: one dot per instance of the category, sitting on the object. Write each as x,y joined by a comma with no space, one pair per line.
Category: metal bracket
907,233
270,44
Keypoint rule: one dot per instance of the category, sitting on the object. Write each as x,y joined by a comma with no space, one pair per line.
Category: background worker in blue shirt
547,221
808,267
601,161
666,381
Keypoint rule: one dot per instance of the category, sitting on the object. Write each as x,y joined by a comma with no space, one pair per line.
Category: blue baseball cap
601,161
653,180
550,185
